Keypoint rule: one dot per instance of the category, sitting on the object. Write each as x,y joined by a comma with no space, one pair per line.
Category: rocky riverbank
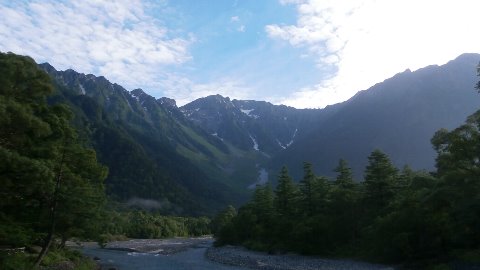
159,246
238,256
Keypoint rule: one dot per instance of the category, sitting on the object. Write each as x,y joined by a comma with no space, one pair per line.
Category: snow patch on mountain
255,144
216,135
82,89
247,112
293,137
134,94
289,143
281,145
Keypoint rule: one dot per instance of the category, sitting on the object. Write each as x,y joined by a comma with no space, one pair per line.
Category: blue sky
302,53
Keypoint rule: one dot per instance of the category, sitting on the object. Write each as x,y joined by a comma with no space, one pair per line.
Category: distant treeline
395,216
145,225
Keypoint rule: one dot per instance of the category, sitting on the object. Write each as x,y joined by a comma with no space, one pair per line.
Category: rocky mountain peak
167,102
47,67
138,93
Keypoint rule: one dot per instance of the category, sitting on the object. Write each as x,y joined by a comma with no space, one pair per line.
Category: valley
227,134
127,165
213,146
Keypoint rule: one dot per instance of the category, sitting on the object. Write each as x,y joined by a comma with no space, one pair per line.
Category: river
191,258
189,253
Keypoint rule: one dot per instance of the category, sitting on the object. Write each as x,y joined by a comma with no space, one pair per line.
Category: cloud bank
354,44
369,41
117,39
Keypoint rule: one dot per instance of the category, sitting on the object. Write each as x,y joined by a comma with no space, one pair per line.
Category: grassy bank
57,259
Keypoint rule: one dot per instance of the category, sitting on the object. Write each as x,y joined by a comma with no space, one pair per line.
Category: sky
301,53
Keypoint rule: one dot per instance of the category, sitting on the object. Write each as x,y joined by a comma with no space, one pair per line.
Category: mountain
249,124
398,116
153,152
199,157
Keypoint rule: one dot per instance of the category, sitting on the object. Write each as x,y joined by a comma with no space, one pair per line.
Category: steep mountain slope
398,116
251,125
153,152
203,155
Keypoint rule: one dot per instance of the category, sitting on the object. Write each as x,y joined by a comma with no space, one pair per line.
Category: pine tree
307,189
286,194
50,182
28,140
380,177
344,178
263,201
344,207
223,226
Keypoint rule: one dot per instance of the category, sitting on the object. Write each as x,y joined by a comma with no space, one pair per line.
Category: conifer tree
263,201
51,183
286,194
307,189
380,177
344,177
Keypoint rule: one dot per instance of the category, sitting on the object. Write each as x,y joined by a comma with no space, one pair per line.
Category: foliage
222,226
150,148
70,257
418,219
16,261
51,185
120,225
380,178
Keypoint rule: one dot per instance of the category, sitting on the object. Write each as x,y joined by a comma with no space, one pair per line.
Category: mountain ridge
147,149
446,107
228,145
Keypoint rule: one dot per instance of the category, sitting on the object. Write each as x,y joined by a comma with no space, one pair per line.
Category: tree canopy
50,183
408,217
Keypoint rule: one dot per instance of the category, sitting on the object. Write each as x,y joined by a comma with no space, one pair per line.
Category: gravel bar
159,246
239,256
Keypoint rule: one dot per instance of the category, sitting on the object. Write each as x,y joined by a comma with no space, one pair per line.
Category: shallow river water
189,253
192,258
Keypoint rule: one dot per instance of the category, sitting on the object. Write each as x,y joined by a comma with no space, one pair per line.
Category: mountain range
199,157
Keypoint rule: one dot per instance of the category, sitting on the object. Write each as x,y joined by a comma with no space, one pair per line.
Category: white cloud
368,41
241,28
185,90
117,39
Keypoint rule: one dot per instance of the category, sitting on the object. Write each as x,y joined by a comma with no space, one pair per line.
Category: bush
17,261
68,259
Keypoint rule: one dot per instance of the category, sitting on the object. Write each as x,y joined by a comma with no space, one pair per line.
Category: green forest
52,185
53,189
402,217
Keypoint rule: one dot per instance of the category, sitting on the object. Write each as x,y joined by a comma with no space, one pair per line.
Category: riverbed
198,253
177,254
